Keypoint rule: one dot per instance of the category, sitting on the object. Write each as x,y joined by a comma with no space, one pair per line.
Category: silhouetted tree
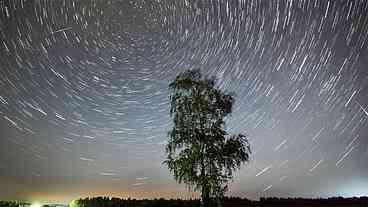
199,152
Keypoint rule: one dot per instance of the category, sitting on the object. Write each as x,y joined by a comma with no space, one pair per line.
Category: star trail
84,107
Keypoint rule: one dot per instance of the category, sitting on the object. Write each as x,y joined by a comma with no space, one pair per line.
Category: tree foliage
200,153
9,204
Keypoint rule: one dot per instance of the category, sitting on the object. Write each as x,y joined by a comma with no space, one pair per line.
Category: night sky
84,107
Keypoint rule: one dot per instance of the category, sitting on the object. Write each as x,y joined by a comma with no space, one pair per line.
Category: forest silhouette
228,202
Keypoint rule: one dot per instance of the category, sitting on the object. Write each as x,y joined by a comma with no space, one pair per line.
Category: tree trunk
205,191
205,196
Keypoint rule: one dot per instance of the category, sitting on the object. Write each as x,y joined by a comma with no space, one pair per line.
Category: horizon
42,203
84,94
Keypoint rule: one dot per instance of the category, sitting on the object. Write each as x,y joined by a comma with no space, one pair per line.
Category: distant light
36,205
357,188
74,203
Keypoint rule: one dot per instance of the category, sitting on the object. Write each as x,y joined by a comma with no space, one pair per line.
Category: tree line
226,201
161,202
315,202
9,204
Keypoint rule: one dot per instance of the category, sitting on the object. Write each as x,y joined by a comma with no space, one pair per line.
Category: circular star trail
84,106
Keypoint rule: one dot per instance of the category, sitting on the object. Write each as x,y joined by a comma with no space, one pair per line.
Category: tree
200,153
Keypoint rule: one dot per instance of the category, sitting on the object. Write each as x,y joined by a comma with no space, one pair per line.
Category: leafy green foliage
200,153
9,204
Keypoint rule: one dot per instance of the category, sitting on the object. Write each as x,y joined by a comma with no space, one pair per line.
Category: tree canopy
200,153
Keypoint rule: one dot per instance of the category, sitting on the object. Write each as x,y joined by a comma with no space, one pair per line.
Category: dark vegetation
227,202
9,204
318,202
